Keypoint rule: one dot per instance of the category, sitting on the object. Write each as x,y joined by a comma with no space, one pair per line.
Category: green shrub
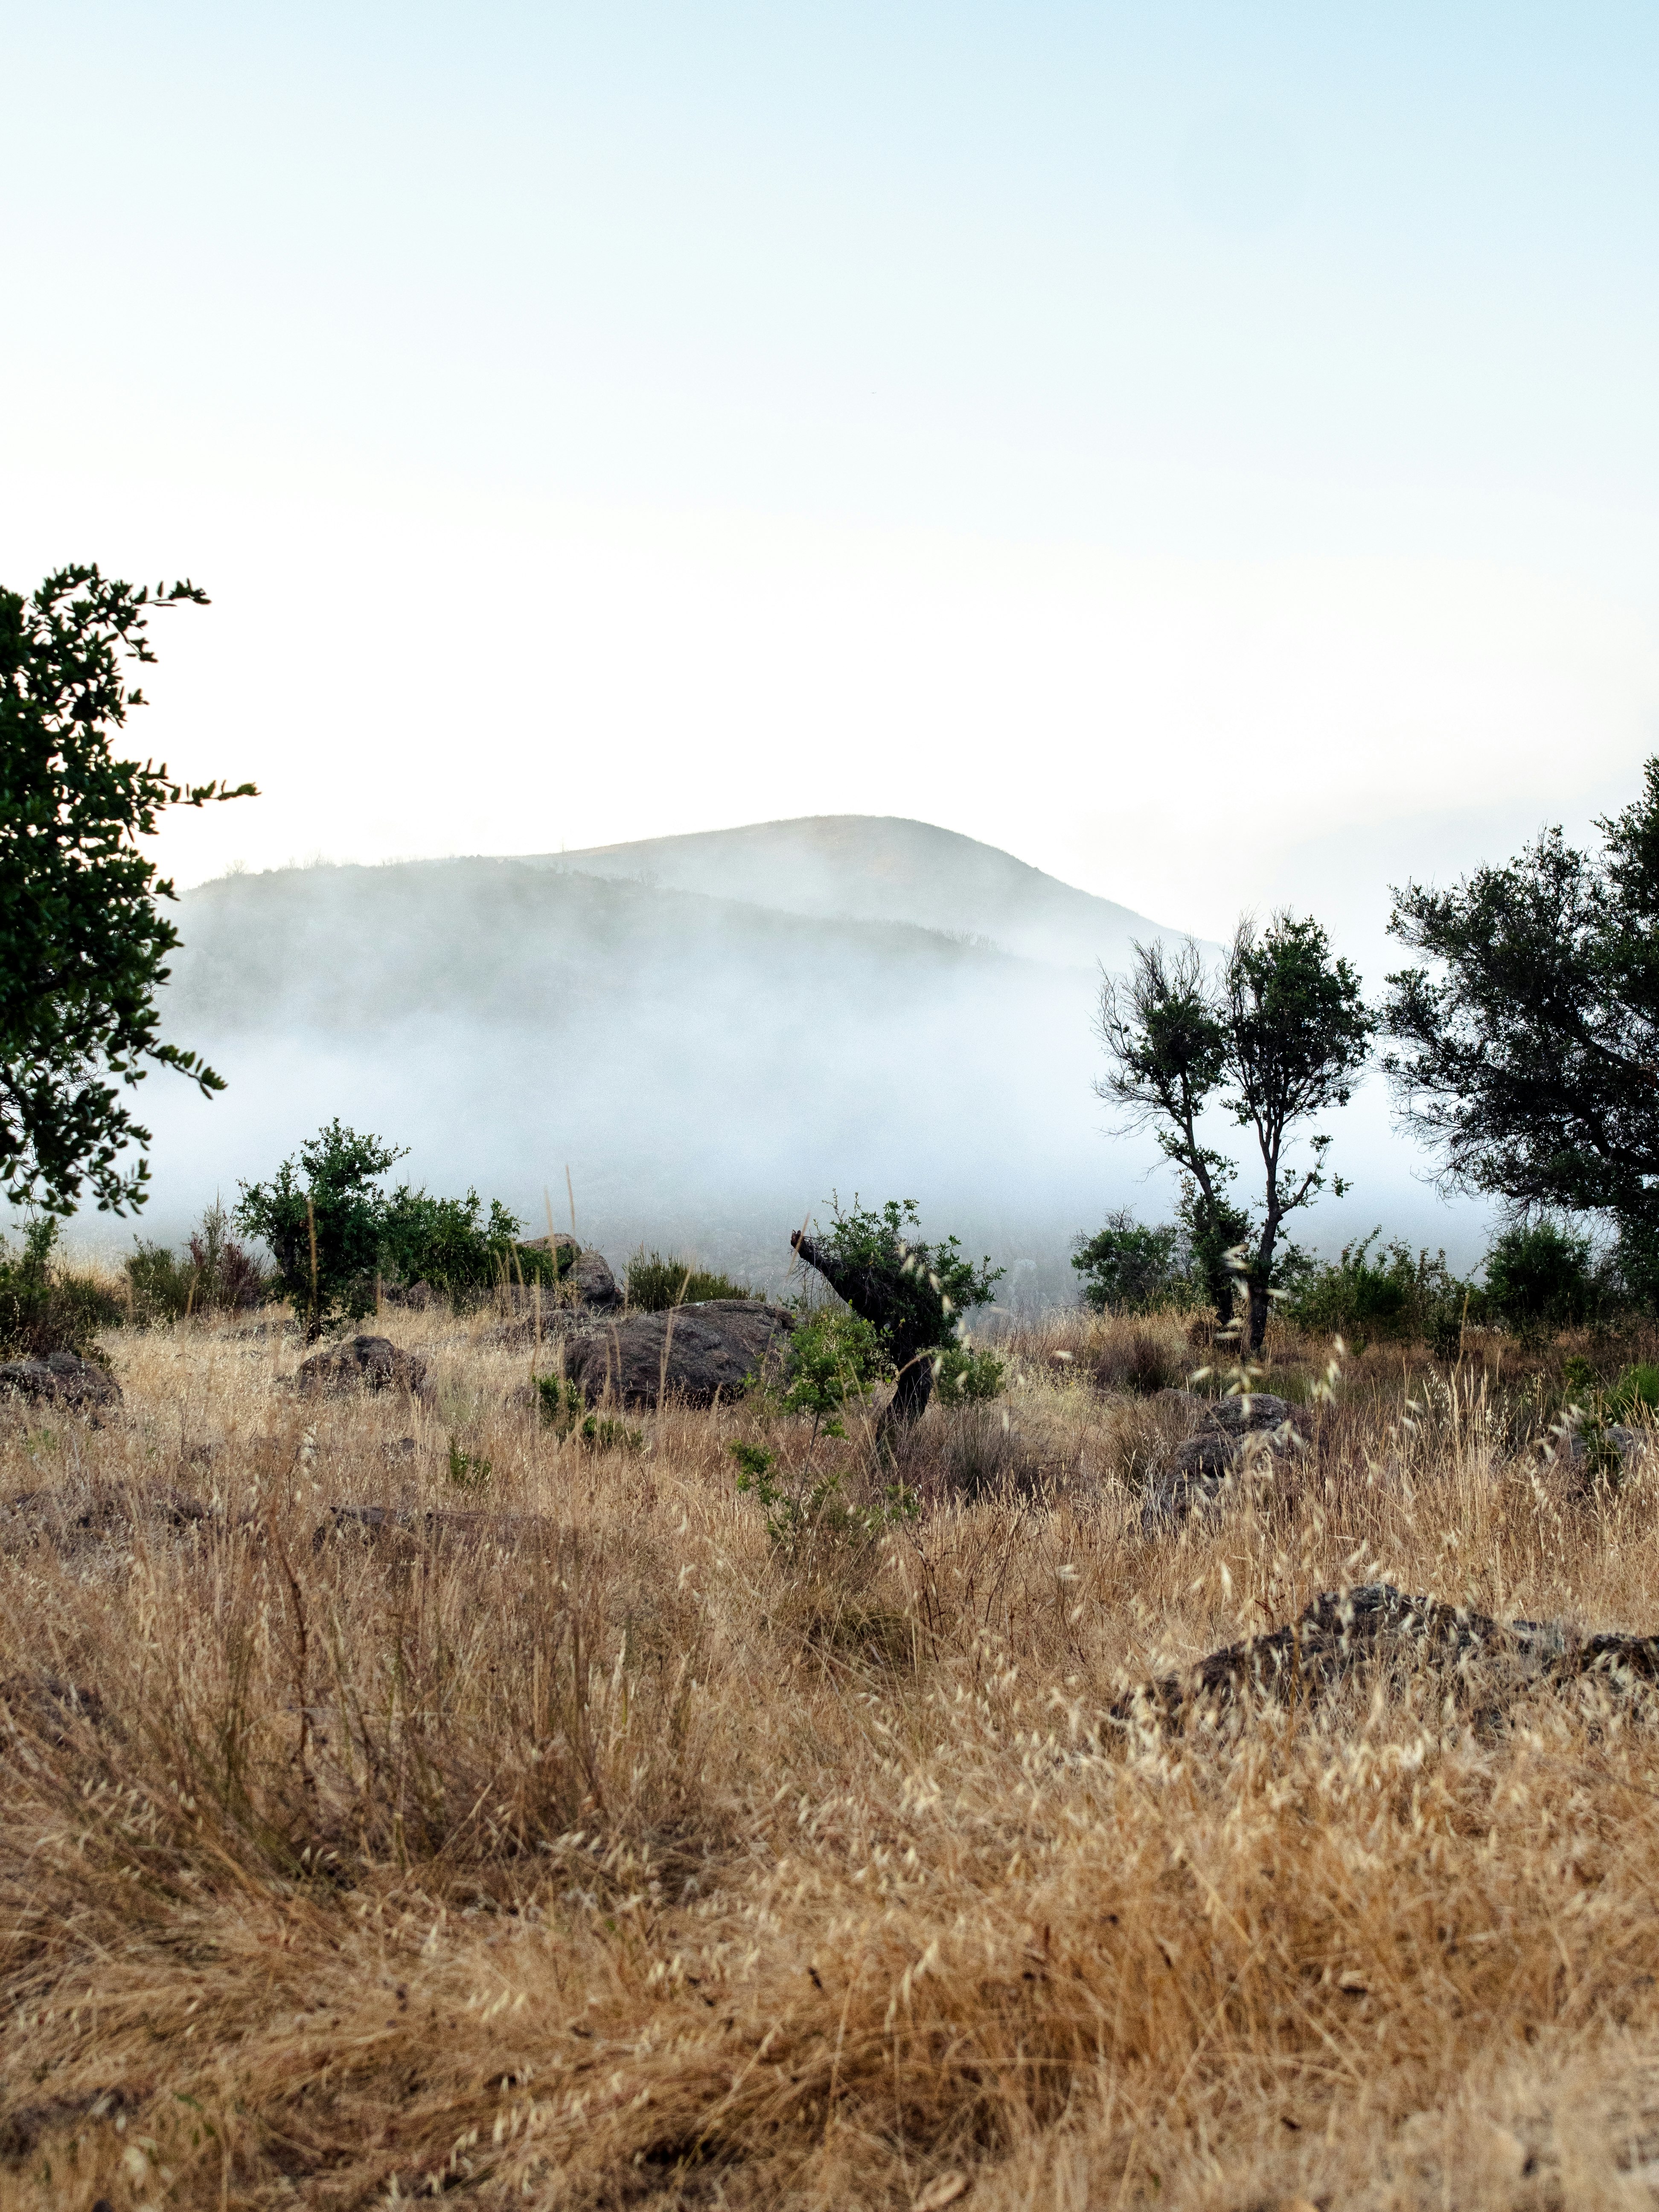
1128,1268
451,1244
655,1283
1392,1292
467,1470
332,1232
560,1403
561,1407
1636,1391
46,1307
322,1218
1540,1276
963,1376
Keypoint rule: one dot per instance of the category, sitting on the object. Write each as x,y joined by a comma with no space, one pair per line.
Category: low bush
963,1376
1541,1275
452,1245
1392,1292
46,1307
214,1274
1129,1268
654,1284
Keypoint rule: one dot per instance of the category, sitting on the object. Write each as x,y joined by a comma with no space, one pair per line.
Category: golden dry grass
610,1858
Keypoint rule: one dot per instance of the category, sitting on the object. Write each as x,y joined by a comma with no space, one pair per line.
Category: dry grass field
593,1852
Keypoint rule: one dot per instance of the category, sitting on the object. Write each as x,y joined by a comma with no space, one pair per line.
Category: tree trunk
869,1293
909,1401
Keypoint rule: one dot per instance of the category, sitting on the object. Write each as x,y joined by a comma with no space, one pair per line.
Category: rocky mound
1229,1432
62,1379
365,1363
1374,1625
691,1353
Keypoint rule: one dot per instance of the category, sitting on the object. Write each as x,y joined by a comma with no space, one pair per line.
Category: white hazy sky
1208,449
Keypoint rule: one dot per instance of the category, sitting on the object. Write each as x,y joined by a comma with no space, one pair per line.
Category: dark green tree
914,1294
1527,1054
323,1219
84,943
1541,1274
1276,1035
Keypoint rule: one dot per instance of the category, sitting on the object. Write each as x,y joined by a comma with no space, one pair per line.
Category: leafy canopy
83,945
1526,1053
1130,1266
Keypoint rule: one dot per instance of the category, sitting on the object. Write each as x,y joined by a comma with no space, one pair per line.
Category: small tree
914,1294
83,943
323,1219
1279,1032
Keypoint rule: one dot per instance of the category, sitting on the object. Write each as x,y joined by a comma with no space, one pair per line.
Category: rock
565,1246
79,1517
366,1362
594,1283
62,1379
691,1353
1234,1429
1375,1624
411,1297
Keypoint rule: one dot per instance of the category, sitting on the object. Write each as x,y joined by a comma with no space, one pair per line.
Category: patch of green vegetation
654,1284
560,1405
467,1470
1390,1292
1130,1266
452,1245
963,1376
46,1307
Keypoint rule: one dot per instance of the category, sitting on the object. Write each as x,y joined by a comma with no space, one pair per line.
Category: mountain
715,1033
882,867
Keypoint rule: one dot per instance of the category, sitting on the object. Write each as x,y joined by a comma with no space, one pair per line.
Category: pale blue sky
1156,440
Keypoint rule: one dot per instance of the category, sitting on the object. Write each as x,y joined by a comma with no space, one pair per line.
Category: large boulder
62,1379
366,1362
691,1353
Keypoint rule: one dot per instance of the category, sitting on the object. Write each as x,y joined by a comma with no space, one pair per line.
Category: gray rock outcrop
62,1379
1234,1429
691,1353
1485,1662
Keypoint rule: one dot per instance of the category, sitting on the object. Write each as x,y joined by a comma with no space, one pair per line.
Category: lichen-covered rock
1253,1425
62,1379
690,1354
366,1362
1370,1625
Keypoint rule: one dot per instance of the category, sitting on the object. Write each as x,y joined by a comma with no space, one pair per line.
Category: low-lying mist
709,1070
